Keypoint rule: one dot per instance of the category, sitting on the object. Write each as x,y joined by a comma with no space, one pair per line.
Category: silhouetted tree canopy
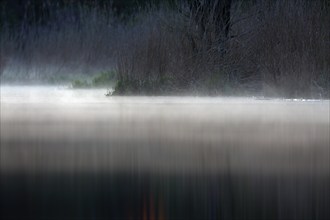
13,12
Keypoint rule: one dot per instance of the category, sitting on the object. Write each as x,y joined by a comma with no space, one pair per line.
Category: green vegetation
102,80
80,84
162,86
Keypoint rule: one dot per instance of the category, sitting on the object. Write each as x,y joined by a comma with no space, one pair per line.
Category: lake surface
162,157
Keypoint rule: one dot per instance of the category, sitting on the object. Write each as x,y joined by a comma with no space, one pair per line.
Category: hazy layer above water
60,129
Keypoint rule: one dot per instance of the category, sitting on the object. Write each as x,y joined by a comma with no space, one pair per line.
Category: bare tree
211,19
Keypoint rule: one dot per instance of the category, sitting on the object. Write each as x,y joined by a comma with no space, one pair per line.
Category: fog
239,154
120,135
159,133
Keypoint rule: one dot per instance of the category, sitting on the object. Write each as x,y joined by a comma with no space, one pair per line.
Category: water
78,154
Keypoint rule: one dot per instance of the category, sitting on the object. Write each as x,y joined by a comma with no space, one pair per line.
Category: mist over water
79,154
113,154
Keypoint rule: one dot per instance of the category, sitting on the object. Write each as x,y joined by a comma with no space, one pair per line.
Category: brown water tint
76,154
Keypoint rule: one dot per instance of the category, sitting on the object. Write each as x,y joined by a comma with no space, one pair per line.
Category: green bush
159,86
77,84
104,79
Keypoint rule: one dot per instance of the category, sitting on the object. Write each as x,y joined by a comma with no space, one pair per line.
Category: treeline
40,12
208,47
271,48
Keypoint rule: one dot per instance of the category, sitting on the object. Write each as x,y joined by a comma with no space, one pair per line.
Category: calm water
78,154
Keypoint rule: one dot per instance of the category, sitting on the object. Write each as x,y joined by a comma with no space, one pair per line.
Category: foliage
80,84
104,79
163,86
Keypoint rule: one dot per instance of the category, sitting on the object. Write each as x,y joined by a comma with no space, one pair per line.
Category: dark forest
230,47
